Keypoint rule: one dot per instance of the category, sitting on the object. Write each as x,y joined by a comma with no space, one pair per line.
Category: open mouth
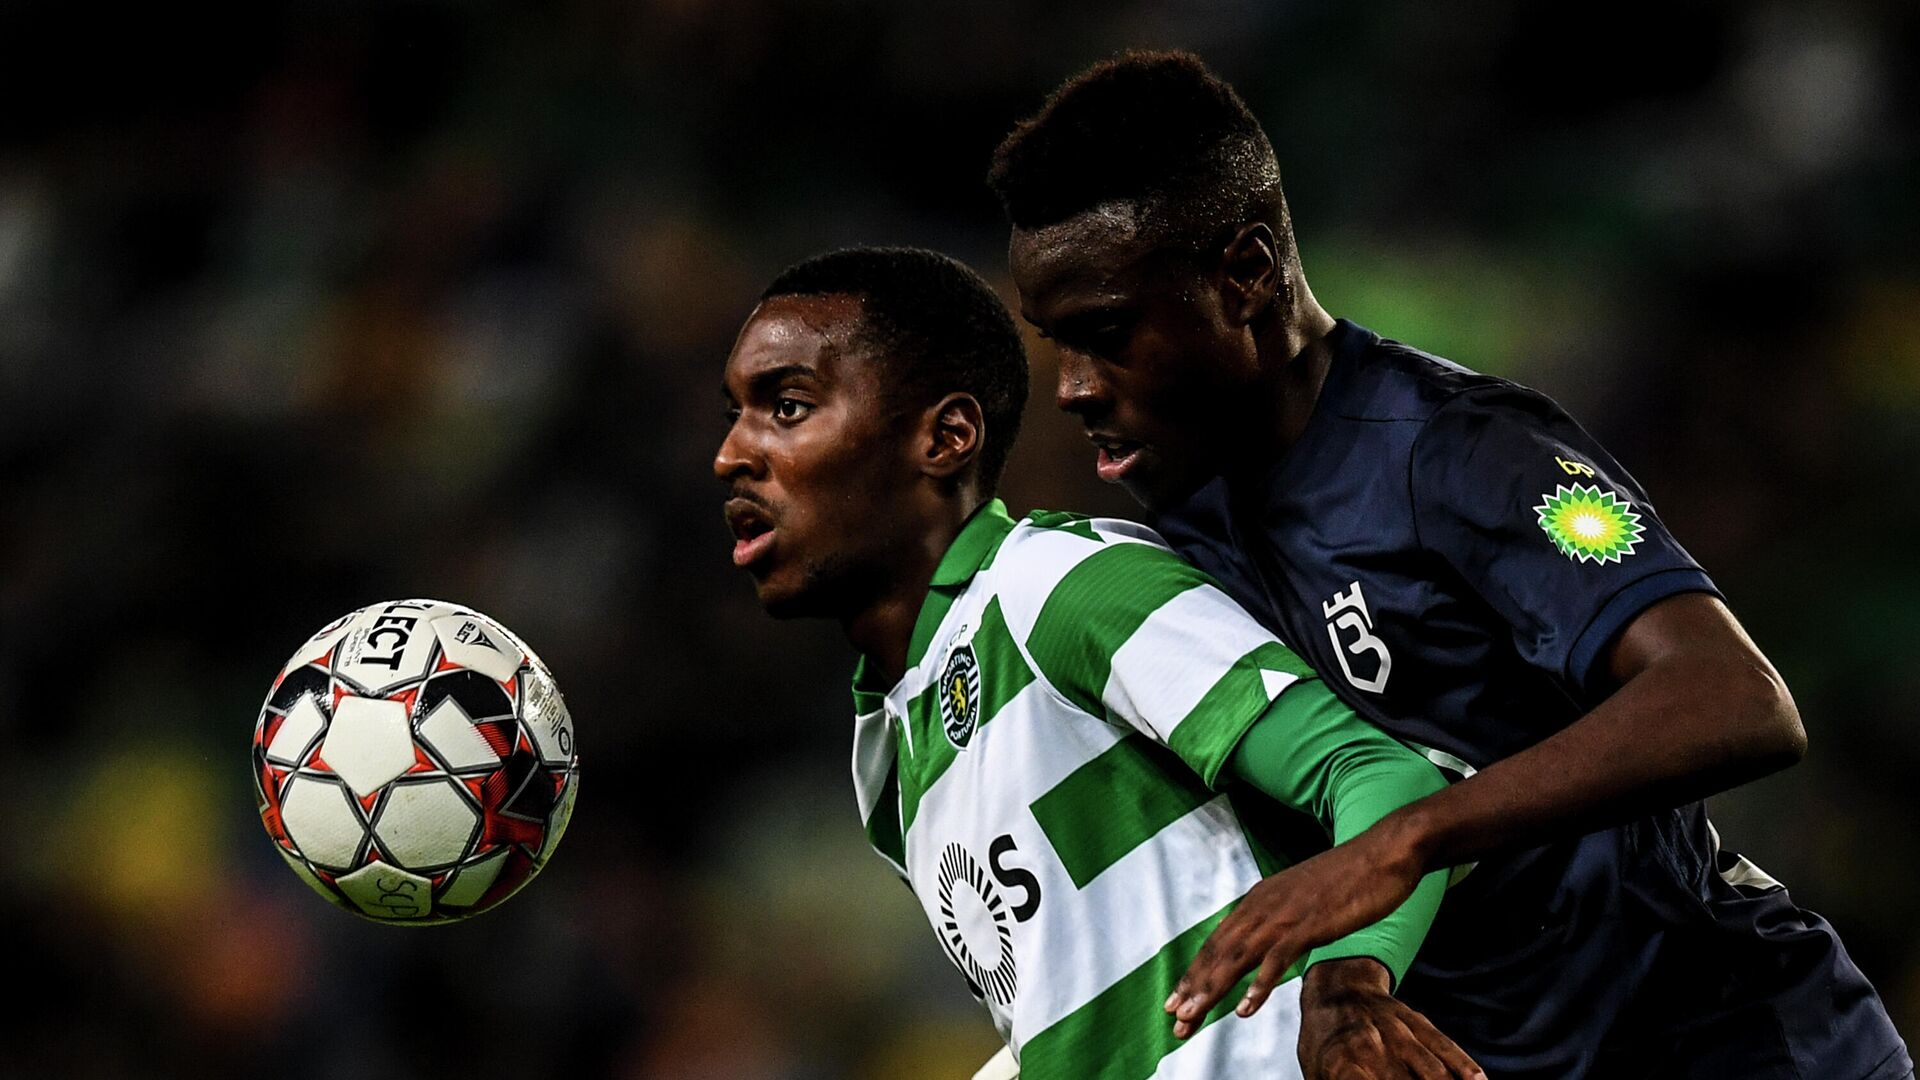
752,532
1115,457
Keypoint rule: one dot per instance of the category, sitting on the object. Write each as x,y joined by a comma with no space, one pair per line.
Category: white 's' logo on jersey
1348,611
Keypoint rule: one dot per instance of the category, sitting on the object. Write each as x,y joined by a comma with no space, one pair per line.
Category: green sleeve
1312,753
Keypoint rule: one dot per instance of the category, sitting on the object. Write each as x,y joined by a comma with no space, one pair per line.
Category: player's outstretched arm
1698,710
1311,753
1554,536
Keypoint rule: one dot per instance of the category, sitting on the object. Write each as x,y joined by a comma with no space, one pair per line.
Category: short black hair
1155,129
937,325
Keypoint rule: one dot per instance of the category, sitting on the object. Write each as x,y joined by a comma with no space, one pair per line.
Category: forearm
1372,788
1394,940
1679,730
1326,761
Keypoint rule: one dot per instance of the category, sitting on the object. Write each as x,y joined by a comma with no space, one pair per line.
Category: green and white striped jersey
1043,778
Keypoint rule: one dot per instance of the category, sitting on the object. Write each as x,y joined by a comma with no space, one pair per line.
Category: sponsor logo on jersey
1589,524
1573,468
960,695
965,889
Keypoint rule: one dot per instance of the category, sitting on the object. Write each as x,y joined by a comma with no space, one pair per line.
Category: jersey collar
971,552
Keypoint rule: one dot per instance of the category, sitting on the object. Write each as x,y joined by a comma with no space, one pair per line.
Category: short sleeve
1544,525
1136,635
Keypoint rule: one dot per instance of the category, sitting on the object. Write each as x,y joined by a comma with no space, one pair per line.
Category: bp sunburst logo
1590,525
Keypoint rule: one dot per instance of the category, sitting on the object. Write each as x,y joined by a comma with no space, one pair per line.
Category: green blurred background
303,307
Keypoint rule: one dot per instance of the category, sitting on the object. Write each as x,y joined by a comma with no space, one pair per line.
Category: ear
955,431
1250,272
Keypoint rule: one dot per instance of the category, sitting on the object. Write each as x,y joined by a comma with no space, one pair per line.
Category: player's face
812,460
1149,361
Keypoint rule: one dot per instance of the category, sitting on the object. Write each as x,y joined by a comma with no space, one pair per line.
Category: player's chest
1055,853
983,802
1358,615
1386,623
979,748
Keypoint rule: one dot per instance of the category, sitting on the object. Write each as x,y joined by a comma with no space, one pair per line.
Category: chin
784,600
780,603
823,589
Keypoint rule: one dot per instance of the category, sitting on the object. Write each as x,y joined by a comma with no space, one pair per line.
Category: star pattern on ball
414,762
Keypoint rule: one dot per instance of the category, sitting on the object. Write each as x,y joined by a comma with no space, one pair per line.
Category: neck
1294,359
882,629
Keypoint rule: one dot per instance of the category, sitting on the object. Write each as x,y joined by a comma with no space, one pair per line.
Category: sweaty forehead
795,331
1097,250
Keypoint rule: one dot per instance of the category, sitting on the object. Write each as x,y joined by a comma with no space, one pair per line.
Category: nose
1080,389
737,457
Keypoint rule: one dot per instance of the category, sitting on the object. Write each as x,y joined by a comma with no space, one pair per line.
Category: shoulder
1045,538
1390,381
1427,404
1381,402
1071,561
1500,400
1497,424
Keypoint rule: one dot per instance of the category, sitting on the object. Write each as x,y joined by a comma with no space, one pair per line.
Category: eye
732,415
1105,334
790,409
1107,340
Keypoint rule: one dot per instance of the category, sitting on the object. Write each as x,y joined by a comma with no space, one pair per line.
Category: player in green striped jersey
1077,751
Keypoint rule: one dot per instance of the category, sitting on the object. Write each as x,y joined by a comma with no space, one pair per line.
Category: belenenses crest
960,694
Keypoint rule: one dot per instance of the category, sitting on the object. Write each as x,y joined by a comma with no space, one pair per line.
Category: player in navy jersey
1470,570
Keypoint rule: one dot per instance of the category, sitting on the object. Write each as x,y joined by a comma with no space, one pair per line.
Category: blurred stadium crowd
306,306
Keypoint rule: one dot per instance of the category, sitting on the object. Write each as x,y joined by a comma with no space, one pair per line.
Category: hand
1338,891
1352,1027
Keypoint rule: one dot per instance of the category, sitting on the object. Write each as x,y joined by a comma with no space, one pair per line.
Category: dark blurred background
303,308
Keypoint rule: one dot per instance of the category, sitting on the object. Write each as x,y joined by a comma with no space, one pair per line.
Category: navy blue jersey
1454,554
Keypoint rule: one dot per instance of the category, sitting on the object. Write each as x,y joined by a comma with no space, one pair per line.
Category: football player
1467,568
1076,750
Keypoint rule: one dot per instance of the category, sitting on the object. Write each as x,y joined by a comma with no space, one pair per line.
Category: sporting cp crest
960,695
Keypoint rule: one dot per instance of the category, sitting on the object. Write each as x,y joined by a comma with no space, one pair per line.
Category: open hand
1338,891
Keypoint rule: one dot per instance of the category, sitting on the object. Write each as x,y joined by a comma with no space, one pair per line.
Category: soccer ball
414,762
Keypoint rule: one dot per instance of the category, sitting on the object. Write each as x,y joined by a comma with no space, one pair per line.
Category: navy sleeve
1541,521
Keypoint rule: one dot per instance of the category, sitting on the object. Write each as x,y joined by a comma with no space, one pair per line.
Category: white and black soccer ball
414,762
